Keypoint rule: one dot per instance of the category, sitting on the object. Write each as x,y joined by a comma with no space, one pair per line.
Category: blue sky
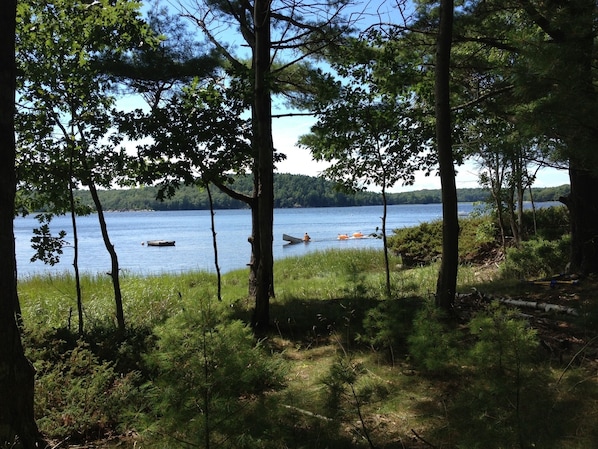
299,161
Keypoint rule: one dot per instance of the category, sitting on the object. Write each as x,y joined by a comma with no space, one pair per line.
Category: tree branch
483,97
249,200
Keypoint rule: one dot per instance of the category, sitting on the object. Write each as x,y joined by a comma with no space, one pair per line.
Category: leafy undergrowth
501,377
341,367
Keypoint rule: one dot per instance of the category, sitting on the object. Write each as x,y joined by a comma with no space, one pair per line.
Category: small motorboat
358,235
291,239
343,237
160,243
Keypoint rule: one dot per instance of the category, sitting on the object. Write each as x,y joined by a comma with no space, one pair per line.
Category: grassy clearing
342,367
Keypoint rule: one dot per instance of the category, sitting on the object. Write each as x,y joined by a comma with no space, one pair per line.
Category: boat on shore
160,243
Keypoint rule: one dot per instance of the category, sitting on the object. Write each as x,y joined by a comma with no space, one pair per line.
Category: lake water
129,232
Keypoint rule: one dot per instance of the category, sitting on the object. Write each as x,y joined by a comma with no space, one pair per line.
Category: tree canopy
292,191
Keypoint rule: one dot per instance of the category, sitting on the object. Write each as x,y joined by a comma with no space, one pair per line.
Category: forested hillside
290,191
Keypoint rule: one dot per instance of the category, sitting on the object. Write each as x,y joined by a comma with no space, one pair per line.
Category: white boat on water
160,243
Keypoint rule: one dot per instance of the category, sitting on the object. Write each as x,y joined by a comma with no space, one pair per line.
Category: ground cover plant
342,365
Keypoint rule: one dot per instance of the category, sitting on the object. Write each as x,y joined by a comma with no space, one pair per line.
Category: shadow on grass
312,321
484,410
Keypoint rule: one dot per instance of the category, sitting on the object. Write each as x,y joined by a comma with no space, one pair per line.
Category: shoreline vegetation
291,191
339,362
344,363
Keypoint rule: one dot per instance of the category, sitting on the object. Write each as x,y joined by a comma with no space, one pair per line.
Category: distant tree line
290,191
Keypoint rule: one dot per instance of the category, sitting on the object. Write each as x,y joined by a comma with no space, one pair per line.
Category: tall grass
328,274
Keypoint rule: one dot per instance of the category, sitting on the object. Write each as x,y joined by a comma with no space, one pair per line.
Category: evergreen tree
530,63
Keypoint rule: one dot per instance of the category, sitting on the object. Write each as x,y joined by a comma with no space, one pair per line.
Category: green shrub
208,368
478,238
418,245
504,343
422,244
350,390
388,325
507,396
432,344
551,223
537,258
82,398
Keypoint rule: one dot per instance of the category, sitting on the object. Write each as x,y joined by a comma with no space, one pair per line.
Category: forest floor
562,309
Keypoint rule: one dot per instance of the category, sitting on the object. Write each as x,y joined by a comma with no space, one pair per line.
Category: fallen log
522,303
543,306
307,412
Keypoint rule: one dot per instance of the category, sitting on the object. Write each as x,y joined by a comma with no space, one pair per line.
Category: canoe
291,239
160,243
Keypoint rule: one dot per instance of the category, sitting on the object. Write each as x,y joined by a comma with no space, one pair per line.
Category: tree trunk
17,375
496,191
385,240
76,265
75,247
446,285
582,203
520,198
531,197
264,282
521,180
214,241
254,241
511,210
571,116
115,271
581,136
